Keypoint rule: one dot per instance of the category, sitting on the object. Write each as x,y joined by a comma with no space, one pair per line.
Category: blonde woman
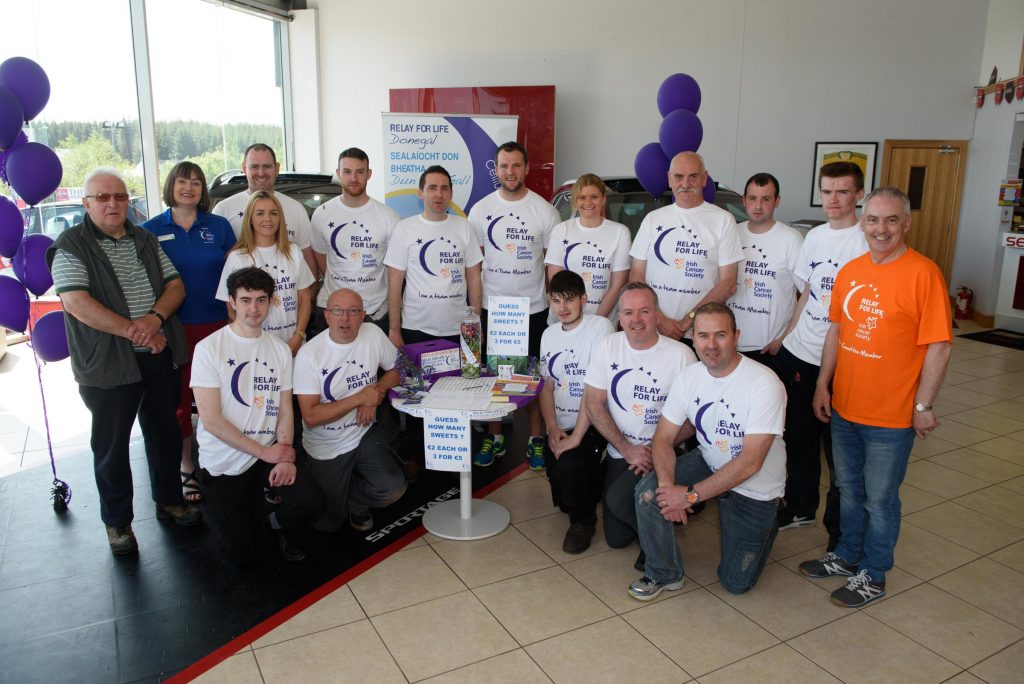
264,244
592,246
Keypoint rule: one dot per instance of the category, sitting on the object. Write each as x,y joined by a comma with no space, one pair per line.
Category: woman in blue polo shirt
196,242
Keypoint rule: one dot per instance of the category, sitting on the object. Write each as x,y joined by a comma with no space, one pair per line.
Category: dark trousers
620,527
577,477
804,436
153,400
236,506
354,482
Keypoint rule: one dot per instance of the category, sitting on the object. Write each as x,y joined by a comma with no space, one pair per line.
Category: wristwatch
921,408
154,312
692,497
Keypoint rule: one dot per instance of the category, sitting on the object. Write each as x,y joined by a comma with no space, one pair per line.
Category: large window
92,116
214,77
216,86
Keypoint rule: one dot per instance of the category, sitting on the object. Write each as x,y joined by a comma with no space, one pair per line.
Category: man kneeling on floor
339,392
242,382
737,409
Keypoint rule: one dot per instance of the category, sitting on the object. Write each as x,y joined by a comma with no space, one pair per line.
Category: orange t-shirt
888,314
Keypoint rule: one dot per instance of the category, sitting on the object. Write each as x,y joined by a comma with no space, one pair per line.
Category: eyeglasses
104,197
351,311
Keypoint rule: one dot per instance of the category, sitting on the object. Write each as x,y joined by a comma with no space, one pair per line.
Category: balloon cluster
34,172
680,131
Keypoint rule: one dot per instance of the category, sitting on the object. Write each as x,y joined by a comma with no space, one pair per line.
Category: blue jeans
870,465
747,528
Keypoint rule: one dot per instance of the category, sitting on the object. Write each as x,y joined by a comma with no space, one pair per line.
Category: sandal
190,488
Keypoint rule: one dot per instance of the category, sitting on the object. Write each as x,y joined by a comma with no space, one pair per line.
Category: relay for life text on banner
464,144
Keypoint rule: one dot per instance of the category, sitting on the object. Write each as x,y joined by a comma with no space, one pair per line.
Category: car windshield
629,207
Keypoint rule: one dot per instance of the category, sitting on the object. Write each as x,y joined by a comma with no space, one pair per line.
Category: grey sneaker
361,522
186,516
645,588
122,540
827,566
859,591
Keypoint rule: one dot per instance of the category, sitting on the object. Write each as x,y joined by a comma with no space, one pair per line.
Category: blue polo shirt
198,253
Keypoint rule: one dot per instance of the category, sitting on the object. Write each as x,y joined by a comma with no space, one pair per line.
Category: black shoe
288,550
788,520
361,522
828,565
858,591
577,538
640,561
122,540
186,515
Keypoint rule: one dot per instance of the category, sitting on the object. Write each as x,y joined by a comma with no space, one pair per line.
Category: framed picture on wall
861,154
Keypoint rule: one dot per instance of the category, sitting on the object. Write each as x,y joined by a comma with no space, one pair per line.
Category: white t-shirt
334,371
514,236
354,241
290,275
250,373
296,220
684,249
593,253
750,400
565,356
637,382
824,252
766,286
434,256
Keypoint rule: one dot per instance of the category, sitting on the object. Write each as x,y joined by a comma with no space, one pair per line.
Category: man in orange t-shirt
887,348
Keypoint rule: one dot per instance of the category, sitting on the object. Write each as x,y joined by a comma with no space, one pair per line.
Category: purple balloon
13,304
678,91
29,82
651,168
30,264
35,171
710,190
22,139
681,131
12,227
12,117
49,337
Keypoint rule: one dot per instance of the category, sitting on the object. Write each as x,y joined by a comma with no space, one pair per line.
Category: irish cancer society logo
639,389
262,380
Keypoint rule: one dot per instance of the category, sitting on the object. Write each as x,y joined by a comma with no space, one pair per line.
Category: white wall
1004,38
776,75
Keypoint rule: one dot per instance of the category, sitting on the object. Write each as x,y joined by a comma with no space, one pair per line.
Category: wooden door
931,172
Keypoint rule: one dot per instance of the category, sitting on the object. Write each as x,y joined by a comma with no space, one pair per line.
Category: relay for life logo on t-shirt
255,387
861,307
717,427
687,244
634,393
509,233
821,284
441,258
358,245
595,269
756,272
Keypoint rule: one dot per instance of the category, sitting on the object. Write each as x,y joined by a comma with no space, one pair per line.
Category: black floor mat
72,612
1003,338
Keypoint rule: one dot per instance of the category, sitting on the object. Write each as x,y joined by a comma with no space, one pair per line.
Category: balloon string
42,394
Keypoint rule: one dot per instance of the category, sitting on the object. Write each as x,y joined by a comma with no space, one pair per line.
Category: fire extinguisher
964,296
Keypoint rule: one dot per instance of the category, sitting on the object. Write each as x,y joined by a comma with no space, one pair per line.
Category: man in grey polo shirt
120,292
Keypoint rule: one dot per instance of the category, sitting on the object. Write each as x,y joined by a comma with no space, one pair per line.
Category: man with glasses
350,238
261,168
121,292
339,392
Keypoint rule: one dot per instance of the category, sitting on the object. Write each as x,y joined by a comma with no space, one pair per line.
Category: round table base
486,520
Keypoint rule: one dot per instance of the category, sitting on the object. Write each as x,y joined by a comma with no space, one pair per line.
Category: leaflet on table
454,392
508,332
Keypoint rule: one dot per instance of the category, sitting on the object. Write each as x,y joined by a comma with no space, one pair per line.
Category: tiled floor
514,608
